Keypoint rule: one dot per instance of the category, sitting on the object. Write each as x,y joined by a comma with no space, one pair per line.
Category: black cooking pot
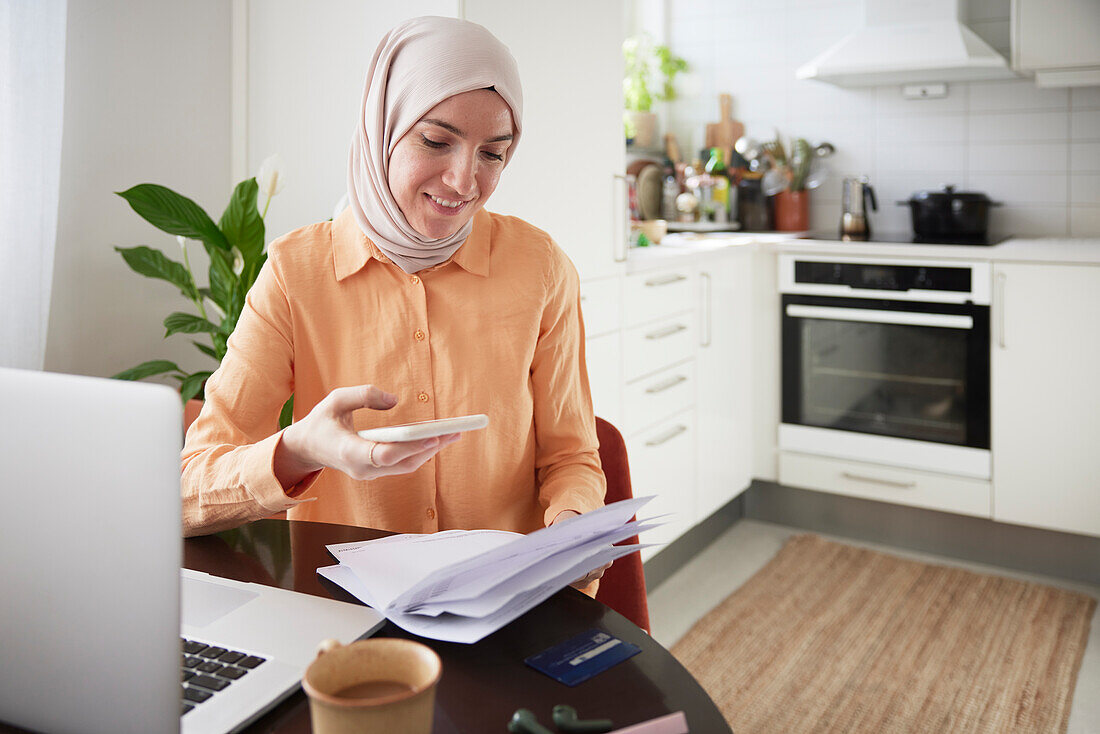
947,214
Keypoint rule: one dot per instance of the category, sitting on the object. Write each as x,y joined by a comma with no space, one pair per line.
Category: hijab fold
417,65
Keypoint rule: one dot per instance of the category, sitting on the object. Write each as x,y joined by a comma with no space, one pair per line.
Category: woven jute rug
832,638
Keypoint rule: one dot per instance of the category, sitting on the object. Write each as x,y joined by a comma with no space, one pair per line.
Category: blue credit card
579,658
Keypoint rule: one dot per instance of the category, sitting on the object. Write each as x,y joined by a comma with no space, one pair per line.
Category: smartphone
426,429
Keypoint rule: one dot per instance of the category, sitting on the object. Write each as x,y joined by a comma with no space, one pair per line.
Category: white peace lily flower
238,262
210,304
182,240
270,177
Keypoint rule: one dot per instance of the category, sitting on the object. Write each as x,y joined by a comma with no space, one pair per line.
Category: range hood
908,41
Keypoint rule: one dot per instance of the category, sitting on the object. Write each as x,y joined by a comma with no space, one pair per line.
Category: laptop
94,606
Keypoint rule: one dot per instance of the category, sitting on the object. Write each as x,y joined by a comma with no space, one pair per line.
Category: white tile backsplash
1084,98
1037,150
1084,157
1016,96
1085,125
1017,127
1018,157
1021,189
925,158
1084,188
1084,221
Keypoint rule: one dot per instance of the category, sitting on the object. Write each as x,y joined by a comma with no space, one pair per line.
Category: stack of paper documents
461,585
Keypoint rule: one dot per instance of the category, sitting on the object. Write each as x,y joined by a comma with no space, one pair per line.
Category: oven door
898,369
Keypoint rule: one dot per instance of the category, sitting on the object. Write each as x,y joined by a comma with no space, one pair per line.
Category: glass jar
752,205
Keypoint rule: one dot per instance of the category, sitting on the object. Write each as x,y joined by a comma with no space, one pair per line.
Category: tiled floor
741,551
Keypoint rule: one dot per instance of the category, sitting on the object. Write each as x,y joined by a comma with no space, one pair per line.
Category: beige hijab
417,65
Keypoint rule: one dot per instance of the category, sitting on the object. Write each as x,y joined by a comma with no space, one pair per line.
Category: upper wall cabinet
1058,40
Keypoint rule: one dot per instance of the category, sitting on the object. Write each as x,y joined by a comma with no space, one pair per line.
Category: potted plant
643,61
237,250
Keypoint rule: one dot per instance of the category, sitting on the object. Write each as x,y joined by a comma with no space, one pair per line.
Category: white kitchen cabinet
1058,40
1045,396
562,179
900,486
662,465
723,365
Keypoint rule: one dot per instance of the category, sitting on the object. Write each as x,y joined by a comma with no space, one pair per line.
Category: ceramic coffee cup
378,685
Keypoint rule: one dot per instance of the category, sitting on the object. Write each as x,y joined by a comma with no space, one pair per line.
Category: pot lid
947,193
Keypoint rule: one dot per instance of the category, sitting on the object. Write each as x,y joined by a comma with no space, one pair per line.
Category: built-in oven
886,361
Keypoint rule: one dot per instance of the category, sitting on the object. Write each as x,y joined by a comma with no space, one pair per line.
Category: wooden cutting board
724,133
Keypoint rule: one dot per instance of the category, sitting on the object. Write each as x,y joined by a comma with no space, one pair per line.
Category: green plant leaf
286,415
147,369
187,323
174,213
223,281
193,385
241,222
205,349
154,264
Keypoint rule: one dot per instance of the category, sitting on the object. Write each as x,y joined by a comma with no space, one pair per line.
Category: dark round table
483,683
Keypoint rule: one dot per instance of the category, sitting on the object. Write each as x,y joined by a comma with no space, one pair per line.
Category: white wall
303,98
146,100
1038,151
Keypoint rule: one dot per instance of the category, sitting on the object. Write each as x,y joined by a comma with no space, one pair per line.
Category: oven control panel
884,277
911,280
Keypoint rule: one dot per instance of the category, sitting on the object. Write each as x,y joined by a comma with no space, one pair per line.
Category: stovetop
908,238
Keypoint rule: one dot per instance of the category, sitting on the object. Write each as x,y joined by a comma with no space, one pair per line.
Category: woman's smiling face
443,170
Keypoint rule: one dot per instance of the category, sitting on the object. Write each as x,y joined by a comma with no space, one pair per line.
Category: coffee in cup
378,685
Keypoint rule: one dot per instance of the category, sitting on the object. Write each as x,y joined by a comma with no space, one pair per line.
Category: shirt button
422,397
431,513
415,280
419,335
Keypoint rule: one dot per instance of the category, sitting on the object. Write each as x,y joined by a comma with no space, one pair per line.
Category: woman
416,286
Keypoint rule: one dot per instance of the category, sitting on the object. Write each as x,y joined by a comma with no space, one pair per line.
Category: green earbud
524,722
565,718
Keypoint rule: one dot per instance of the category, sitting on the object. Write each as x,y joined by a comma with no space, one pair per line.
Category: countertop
1054,250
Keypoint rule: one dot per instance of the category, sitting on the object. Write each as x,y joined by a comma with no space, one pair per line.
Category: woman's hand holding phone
327,438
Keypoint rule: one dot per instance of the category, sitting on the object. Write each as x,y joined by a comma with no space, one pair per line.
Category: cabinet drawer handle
667,331
666,385
665,438
666,280
876,480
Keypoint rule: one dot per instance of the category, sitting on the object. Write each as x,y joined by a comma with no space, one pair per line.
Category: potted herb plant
645,60
237,250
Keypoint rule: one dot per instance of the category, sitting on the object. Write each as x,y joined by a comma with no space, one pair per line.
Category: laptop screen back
91,542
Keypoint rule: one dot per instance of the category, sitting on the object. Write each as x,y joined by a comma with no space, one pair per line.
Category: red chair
623,585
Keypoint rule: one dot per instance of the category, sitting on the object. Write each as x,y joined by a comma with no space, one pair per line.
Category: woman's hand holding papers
327,438
591,576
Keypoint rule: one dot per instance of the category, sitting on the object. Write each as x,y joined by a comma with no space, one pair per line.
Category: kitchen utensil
724,133
854,224
748,148
817,175
948,214
650,182
773,182
802,156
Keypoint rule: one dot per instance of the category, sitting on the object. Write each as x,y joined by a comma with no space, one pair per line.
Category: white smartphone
425,429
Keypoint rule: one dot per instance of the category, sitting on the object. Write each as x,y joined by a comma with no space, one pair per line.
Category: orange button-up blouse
496,329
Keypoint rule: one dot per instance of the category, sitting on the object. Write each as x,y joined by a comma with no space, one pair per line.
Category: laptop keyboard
209,669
